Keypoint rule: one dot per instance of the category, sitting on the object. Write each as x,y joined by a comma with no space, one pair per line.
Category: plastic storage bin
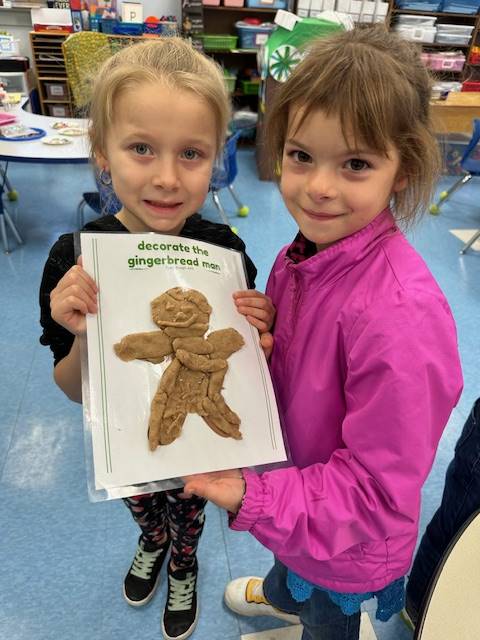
469,7
411,5
452,39
107,25
407,20
234,3
230,81
471,86
129,28
250,87
446,61
218,42
211,3
267,4
417,34
253,36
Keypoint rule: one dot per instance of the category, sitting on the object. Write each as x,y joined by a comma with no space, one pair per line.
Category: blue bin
469,7
129,28
253,36
261,4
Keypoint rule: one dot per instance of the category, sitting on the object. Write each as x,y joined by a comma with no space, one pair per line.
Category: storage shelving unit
470,71
49,64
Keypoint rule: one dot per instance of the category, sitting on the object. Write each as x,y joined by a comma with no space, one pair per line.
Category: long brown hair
375,82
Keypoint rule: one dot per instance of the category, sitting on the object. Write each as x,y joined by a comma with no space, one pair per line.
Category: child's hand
256,307
224,488
74,296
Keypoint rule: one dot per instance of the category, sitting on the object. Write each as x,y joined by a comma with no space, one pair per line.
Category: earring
105,177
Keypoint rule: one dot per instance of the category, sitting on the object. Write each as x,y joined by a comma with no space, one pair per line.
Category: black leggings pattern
181,518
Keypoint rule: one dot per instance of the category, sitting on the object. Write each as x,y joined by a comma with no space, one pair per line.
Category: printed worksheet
176,381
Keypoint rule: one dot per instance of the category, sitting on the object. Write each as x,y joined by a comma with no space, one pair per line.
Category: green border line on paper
103,378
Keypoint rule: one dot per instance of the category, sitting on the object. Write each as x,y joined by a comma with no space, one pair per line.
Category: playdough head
181,312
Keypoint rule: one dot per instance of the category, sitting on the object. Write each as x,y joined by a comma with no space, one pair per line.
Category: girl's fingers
261,314
259,324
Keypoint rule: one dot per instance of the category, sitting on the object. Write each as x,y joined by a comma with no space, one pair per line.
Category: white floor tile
464,235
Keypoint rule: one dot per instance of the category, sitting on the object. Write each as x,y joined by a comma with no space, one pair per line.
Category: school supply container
452,39
267,4
469,7
417,34
230,80
416,5
250,87
218,42
211,3
253,36
471,86
407,20
446,61
128,28
234,3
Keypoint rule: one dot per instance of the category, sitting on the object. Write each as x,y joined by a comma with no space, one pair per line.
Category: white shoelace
143,563
181,593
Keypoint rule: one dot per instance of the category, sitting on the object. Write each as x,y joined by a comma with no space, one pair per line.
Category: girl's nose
322,184
165,174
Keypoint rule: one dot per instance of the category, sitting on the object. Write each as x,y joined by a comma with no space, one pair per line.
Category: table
456,113
36,151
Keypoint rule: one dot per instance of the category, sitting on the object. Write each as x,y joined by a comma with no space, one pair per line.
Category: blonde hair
172,61
376,84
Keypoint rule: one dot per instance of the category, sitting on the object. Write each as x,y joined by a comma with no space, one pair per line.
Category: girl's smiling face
331,188
160,150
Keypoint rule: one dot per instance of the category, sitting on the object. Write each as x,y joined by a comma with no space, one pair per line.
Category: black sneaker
181,612
142,577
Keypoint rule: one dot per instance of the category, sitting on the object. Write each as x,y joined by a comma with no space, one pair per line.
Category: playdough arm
225,342
152,346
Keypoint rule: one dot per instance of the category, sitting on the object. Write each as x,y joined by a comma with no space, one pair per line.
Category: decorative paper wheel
282,62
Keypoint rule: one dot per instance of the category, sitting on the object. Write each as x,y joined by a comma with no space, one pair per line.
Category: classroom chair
471,166
224,175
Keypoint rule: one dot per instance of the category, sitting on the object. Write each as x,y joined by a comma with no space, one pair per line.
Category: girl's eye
190,154
355,164
142,149
300,156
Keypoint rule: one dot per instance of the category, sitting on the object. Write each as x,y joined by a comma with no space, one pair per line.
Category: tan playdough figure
193,381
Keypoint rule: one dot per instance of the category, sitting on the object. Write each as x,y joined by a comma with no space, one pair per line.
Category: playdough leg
214,393
159,403
219,423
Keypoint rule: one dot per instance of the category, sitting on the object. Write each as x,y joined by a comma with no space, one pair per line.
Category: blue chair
224,176
103,201
471,166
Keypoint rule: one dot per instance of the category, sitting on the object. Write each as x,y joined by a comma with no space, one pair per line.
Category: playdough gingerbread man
193,381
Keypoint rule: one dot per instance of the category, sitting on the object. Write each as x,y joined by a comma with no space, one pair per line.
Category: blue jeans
321,618
461,498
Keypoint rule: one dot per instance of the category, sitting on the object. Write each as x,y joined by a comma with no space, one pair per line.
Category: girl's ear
101,161
400,183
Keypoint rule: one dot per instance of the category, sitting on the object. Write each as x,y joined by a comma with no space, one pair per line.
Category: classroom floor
63,558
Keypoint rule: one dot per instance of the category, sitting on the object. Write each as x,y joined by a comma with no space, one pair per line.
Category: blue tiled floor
62,558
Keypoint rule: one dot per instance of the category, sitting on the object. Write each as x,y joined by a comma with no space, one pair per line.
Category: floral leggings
164,512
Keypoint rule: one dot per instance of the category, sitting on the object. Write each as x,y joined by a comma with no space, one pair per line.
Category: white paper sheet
131,270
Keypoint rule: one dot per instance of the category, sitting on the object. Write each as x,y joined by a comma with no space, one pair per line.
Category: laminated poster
177,382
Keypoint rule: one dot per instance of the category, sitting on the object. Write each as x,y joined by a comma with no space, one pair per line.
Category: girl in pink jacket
365,360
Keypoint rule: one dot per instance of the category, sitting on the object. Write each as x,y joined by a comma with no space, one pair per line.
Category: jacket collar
330,264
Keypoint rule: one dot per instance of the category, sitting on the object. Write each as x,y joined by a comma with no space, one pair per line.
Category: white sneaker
245,596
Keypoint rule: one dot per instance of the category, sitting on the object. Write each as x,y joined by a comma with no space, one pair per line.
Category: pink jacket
366,371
